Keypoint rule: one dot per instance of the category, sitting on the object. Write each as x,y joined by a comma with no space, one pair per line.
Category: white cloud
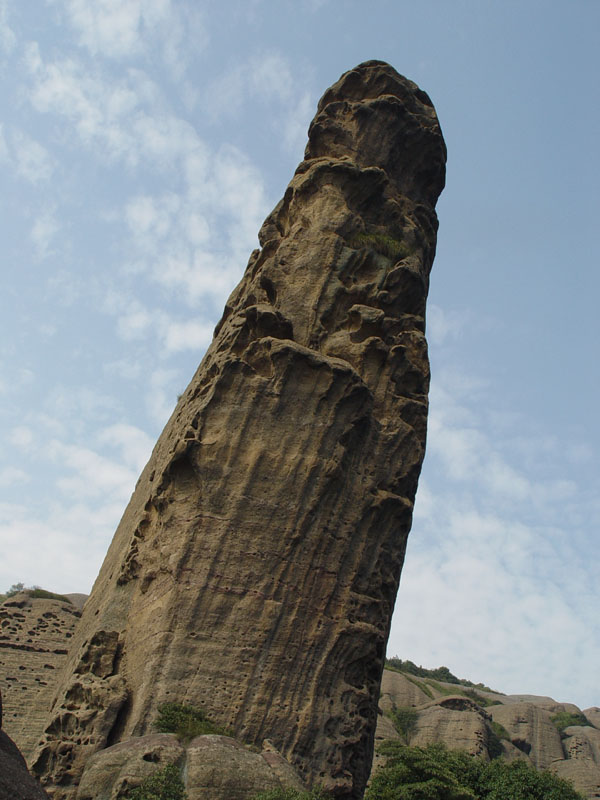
130,29
296,122
3,146
443,325
162,397
133,444
8,39
93,475
116,28
43,232
22,437
10,476
494,584
33,161
265,78
190,335
134,322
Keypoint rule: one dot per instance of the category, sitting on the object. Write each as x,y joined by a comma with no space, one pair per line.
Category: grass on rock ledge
186,722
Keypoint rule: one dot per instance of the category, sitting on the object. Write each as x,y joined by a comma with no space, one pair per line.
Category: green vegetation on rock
33,591
436,773
382,243
439,674
292,794
497,733
186,721
405,721
164,784
564,719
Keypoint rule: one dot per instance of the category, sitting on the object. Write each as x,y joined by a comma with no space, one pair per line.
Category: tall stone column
255,570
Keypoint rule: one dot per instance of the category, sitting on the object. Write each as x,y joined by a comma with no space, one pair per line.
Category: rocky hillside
548,735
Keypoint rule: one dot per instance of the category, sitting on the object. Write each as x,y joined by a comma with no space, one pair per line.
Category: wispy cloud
8,39
485,579
33,161
9,476
44,230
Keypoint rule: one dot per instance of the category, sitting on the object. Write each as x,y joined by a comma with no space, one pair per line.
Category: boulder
212,768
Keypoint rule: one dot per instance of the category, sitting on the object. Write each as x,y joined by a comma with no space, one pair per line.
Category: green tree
416,773
436,773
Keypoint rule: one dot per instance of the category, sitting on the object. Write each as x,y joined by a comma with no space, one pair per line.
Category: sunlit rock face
255,570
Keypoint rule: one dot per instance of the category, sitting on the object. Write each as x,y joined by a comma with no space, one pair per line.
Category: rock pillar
255,570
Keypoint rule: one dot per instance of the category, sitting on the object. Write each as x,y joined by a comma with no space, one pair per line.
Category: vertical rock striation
255,570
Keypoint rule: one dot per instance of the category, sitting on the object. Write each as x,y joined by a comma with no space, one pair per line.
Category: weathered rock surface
454,719
15,781
399,691
211,767
593,715
255,570
531,729
35,634
583,773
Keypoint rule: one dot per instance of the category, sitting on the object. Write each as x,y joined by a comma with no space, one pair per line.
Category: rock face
35,634
15,781
530,728
255,570
211,767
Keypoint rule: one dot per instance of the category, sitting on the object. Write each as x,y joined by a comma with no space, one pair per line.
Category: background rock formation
35,635
15,781
463,718
255,569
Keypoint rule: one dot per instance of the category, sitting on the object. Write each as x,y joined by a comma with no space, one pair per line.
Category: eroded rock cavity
255,569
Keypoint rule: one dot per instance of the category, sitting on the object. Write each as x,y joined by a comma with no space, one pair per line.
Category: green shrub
415,773
564,719
439,673
32,591
436,773
291,794
37,592
186,721
497,733
405,721
164,784
382,243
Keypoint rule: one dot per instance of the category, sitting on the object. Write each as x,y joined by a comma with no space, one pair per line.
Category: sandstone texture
462,717
211,767
255,570
15,781
35,635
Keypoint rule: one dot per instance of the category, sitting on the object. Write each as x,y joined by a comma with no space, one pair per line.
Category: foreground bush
436,773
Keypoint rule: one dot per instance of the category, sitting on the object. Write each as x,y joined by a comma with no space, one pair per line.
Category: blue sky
142,142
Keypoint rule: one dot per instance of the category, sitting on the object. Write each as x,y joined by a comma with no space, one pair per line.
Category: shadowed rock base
255,570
